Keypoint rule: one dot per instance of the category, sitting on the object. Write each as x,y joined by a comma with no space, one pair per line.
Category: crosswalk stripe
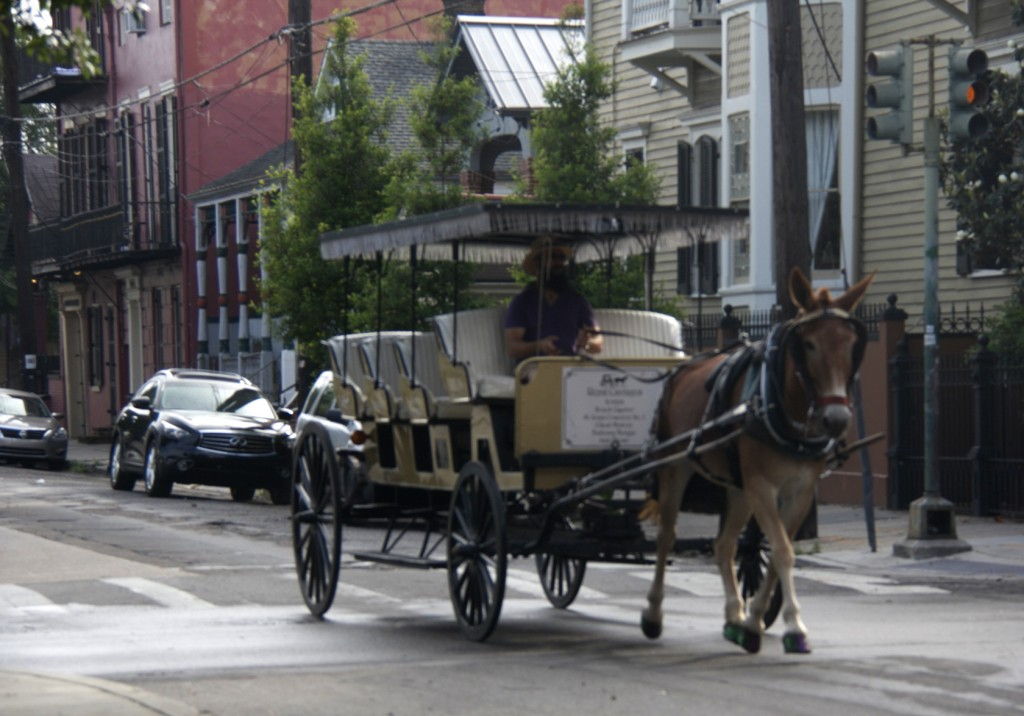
700,584
15,596
159,593
865,583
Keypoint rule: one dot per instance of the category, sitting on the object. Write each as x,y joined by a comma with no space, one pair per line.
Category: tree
341,132
574,160
984,184
445,118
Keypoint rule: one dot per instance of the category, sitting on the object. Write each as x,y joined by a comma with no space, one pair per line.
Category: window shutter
684,271
708,149
684,174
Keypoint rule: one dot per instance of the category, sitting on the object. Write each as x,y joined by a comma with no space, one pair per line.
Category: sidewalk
88,457
31,693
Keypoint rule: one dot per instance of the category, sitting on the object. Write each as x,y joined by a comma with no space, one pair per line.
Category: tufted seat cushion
645,324
480,348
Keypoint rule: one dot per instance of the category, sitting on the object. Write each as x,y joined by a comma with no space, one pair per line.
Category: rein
653,342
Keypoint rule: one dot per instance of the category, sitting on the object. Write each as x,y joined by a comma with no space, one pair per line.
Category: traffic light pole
932,525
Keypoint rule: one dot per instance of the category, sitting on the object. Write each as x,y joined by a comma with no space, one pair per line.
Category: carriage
551,458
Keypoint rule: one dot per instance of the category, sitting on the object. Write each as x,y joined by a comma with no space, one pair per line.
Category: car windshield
23,406
216,397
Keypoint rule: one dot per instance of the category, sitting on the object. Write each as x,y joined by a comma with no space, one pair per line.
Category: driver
549,317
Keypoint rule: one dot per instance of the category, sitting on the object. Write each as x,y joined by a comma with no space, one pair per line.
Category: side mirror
334,415
285,414
142,402
57,416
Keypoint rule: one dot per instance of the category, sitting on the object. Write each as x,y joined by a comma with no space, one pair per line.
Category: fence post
898,365
982,375
728,327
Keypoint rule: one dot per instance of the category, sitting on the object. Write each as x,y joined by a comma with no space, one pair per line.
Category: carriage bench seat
648,325
474,364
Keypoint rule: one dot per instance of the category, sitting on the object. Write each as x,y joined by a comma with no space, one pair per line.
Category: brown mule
772,467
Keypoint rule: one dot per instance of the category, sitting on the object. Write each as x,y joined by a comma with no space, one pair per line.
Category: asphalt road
190,605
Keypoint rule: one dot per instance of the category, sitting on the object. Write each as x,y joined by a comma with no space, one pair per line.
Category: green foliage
573,157
622,287
984,179
436,282
1007,332
445,121
340,134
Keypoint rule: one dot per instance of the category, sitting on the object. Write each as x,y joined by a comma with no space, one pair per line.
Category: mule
798,384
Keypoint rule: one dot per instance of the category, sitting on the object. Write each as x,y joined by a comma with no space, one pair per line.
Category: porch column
242,244
202,342
133,323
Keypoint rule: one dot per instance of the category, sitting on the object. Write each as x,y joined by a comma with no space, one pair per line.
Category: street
190,605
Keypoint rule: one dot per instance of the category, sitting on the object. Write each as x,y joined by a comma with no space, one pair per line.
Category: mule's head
827,345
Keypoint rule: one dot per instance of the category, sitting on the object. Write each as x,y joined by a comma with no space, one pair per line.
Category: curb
26,692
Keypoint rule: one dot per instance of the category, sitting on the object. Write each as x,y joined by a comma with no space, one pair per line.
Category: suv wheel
157,483
119,477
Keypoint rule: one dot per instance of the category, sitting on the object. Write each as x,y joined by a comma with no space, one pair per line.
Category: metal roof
496,232
517,56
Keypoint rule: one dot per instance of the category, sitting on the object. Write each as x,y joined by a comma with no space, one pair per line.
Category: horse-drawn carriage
552,458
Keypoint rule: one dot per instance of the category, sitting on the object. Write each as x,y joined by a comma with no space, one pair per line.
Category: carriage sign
604,407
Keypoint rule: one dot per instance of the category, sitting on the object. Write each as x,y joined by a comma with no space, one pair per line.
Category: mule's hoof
739,634
796,643
651,628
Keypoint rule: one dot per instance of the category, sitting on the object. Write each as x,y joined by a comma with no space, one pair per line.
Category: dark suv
202,427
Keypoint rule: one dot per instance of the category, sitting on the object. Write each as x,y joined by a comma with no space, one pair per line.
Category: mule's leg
762,496
737,629
671,483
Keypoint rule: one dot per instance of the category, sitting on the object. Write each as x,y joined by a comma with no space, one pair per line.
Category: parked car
29,431
203,427
320,417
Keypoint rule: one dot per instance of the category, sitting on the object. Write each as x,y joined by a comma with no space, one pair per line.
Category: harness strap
653,342
823,400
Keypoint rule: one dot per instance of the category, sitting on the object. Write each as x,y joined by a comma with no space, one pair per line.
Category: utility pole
792,246
300,64
18,198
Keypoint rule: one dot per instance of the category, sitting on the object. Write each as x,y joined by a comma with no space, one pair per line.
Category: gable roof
516,57
391,67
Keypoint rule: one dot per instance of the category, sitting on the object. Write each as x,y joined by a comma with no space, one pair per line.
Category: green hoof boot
739,634
796,643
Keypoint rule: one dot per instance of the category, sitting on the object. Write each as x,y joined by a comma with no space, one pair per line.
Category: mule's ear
849,300
800,291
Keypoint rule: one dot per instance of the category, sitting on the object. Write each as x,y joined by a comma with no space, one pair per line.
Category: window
83,168
133,21
94,317
739,157
166,11
147,174
697,269
126,171
824,221
698,173
176,323
166,177
740,260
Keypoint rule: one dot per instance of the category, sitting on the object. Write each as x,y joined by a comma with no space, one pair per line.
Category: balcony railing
94,238
644,16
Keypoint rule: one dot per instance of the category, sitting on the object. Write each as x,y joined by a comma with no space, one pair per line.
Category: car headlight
58,433
175,433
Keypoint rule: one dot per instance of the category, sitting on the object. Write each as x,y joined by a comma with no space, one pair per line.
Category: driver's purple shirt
564,318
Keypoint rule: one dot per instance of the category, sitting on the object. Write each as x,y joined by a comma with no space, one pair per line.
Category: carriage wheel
752,558
316,522
561,577
477,559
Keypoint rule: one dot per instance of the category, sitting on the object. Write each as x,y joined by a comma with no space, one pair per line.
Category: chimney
452,8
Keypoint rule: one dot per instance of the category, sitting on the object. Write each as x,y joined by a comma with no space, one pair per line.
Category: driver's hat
541,252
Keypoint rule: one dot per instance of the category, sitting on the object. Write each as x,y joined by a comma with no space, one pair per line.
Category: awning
499,232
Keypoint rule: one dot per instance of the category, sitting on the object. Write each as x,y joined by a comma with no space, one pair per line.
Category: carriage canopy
501,232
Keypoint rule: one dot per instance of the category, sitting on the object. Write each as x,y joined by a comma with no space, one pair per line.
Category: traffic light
968,91
896,92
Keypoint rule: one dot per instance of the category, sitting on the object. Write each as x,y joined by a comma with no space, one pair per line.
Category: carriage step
400,560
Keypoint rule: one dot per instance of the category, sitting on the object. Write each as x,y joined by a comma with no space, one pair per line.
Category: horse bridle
790,342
